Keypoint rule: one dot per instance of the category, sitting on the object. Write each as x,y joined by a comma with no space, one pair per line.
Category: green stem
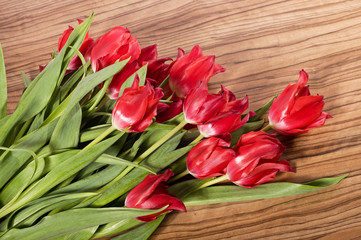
197,140
179,176
100,137
266,128
214,181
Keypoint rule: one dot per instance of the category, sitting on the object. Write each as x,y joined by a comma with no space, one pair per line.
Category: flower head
209,158
151,193
215,114
257,160
296,111
191,68
136,107
117,44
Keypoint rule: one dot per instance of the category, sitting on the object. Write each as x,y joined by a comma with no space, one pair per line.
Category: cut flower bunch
108,139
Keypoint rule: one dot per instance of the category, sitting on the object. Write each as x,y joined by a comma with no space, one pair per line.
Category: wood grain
263,45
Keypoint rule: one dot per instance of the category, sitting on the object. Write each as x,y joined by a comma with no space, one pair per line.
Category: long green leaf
219,194
86,85
74,220
115,227
142,232
39,93
61,172
259,112
38,206
3,86
11,162
67,135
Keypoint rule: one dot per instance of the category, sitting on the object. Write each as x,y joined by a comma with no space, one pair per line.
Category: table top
263,45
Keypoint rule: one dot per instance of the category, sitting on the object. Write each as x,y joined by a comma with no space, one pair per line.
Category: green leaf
111,160
259,112
43,205
219,194
142,232
3,86
93,132
182,189
11,162
86,85
67,135
115,227
84,234
63,222
72,81
26,80
61,172
142,72
39,93
246,128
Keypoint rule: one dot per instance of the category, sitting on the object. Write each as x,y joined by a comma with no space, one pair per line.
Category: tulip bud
188,69
209,158
296,111
151,193
257,160
136,108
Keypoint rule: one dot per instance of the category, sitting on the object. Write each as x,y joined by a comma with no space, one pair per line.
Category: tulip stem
100,137
144,155
179,176
197,140
266,128
214,181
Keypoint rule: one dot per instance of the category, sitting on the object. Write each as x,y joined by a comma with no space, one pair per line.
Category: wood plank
263,45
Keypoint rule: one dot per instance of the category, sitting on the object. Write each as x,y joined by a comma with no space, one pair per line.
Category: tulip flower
229,118
117,44
215,114
136,108
296,111
209,158
84,49
257,160
151,193
190,68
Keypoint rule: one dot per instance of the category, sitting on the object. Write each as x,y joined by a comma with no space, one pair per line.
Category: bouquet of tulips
108,139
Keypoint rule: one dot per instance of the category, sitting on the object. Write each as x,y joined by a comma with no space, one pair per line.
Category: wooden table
263,45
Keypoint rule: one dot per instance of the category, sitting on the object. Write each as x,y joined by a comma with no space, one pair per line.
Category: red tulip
229,118
151,193
296,111
136,108
117,44
257,160
209,158
188,69
199,106
84,49
215,114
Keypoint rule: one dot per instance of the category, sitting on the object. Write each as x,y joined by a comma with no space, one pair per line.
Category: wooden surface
263,45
